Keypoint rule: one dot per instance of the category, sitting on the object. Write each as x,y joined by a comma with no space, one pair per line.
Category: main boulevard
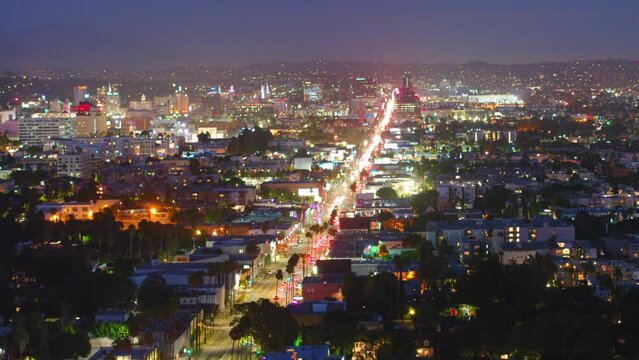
219,345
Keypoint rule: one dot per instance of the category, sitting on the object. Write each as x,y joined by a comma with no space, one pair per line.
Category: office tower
89,125
364,98
365,87
40,131
89,121
407,80
100,94
180,104
80,93
312,92
162,105
112,102
213,103
408,107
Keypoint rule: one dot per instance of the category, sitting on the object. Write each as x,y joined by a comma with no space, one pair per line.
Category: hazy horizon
124,35
305,62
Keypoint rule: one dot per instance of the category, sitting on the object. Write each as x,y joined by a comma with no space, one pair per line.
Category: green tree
196,278
340,330
387,193
424,200
400,264
253,250
112,330
155,297
68,342
380,293
493,200
271,325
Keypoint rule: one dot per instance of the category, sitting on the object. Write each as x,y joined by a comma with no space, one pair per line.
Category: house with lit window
519,253
500,231
74,210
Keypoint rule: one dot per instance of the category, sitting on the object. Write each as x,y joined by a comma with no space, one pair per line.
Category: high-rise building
40,131
407,80
80,93
162,105
364,98
365,87
112,102
408,107
213,104
180,103
312,92
90,125
89,121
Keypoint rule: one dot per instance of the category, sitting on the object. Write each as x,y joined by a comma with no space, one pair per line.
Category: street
219,344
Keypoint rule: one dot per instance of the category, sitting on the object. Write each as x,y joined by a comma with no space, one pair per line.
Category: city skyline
122,36
328,180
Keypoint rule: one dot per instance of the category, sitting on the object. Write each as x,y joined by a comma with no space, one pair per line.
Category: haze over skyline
124,35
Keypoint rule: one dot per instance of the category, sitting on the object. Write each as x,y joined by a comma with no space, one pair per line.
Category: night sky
153,34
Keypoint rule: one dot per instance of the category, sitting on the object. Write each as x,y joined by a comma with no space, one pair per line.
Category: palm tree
279,276
141,226
103,226
252,250
309,237
400,264
236,334
19,335
131,235
230,267
290,270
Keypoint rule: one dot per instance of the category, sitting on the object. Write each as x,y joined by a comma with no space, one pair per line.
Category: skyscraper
408,107
312,92
365,87
407,79
112,106
364,97
80,93
180,103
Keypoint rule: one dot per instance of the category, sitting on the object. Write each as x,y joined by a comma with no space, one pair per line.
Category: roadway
218,346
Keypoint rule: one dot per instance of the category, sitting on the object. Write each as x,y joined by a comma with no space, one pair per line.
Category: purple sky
143,34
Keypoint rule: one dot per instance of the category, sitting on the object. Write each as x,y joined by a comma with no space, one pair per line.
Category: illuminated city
325,180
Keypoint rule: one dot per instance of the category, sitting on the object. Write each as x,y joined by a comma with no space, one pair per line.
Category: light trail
365,159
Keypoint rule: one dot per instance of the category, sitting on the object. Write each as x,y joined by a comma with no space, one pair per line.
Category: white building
39,131
76,165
